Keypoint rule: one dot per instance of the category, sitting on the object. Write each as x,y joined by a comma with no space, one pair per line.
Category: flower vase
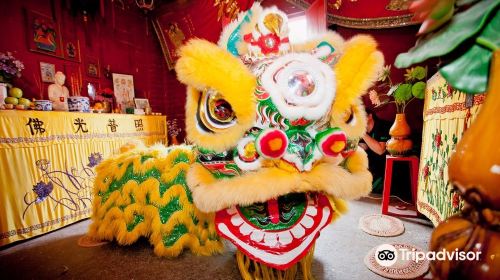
174,140
474,171
399,144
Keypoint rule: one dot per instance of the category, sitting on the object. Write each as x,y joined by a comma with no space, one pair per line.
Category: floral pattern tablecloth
48,162
447,114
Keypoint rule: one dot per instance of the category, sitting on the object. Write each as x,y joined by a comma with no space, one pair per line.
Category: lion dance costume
274,128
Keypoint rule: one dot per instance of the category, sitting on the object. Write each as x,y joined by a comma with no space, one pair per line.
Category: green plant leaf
469,73
420,73
461,27
403,93
490,36
418,90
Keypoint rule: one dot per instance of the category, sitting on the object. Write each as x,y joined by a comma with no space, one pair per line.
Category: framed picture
47,71
172,33
71,49
92,66
43,34
123,86
141,103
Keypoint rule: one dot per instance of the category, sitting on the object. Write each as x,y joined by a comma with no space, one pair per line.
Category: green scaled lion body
143,192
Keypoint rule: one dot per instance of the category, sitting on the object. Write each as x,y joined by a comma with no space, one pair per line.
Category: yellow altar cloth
47,162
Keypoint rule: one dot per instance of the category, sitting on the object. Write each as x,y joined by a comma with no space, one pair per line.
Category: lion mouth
278,232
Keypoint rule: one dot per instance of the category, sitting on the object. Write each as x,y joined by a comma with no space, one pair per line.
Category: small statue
58,93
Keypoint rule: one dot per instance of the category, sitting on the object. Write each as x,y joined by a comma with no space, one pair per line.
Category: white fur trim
291,106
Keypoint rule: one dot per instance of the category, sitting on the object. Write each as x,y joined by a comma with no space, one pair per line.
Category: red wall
128,44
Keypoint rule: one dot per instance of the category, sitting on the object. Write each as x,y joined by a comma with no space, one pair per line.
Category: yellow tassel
250,269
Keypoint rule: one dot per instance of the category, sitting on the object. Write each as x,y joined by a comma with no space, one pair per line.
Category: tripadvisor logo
387,255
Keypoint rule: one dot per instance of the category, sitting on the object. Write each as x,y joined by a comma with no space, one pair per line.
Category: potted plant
173,131
401,95
10,67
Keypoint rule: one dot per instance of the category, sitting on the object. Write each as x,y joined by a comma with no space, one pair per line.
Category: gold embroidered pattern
371,23
459,106
32,228
398,5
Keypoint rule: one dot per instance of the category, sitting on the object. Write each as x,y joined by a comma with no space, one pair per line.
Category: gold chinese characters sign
48,164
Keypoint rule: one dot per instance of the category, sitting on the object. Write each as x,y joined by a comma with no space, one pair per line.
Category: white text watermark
387,255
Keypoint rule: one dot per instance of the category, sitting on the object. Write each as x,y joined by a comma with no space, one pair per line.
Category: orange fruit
98,105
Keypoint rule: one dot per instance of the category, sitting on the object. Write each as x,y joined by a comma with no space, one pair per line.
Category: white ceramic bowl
79,104
43,105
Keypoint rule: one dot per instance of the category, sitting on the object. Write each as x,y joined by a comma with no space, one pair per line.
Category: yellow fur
203,65
210,194
339,207
358,128
356,70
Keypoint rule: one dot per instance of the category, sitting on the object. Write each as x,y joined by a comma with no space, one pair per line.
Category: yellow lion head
270,118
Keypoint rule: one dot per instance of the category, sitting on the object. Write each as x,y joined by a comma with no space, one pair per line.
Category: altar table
47,164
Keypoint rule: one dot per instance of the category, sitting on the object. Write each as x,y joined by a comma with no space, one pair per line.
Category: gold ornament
273,23
227,8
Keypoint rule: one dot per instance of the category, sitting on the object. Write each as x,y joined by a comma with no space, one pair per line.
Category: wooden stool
386,196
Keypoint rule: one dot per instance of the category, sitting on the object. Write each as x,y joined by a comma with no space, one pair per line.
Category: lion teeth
257,236
271,239
285,237
298,231
236,220
311,211
245,229
307,221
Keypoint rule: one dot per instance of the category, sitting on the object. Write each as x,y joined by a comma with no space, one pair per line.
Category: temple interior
249,139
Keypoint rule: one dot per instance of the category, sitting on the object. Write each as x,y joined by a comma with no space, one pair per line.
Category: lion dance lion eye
350,116
214,113
222,111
